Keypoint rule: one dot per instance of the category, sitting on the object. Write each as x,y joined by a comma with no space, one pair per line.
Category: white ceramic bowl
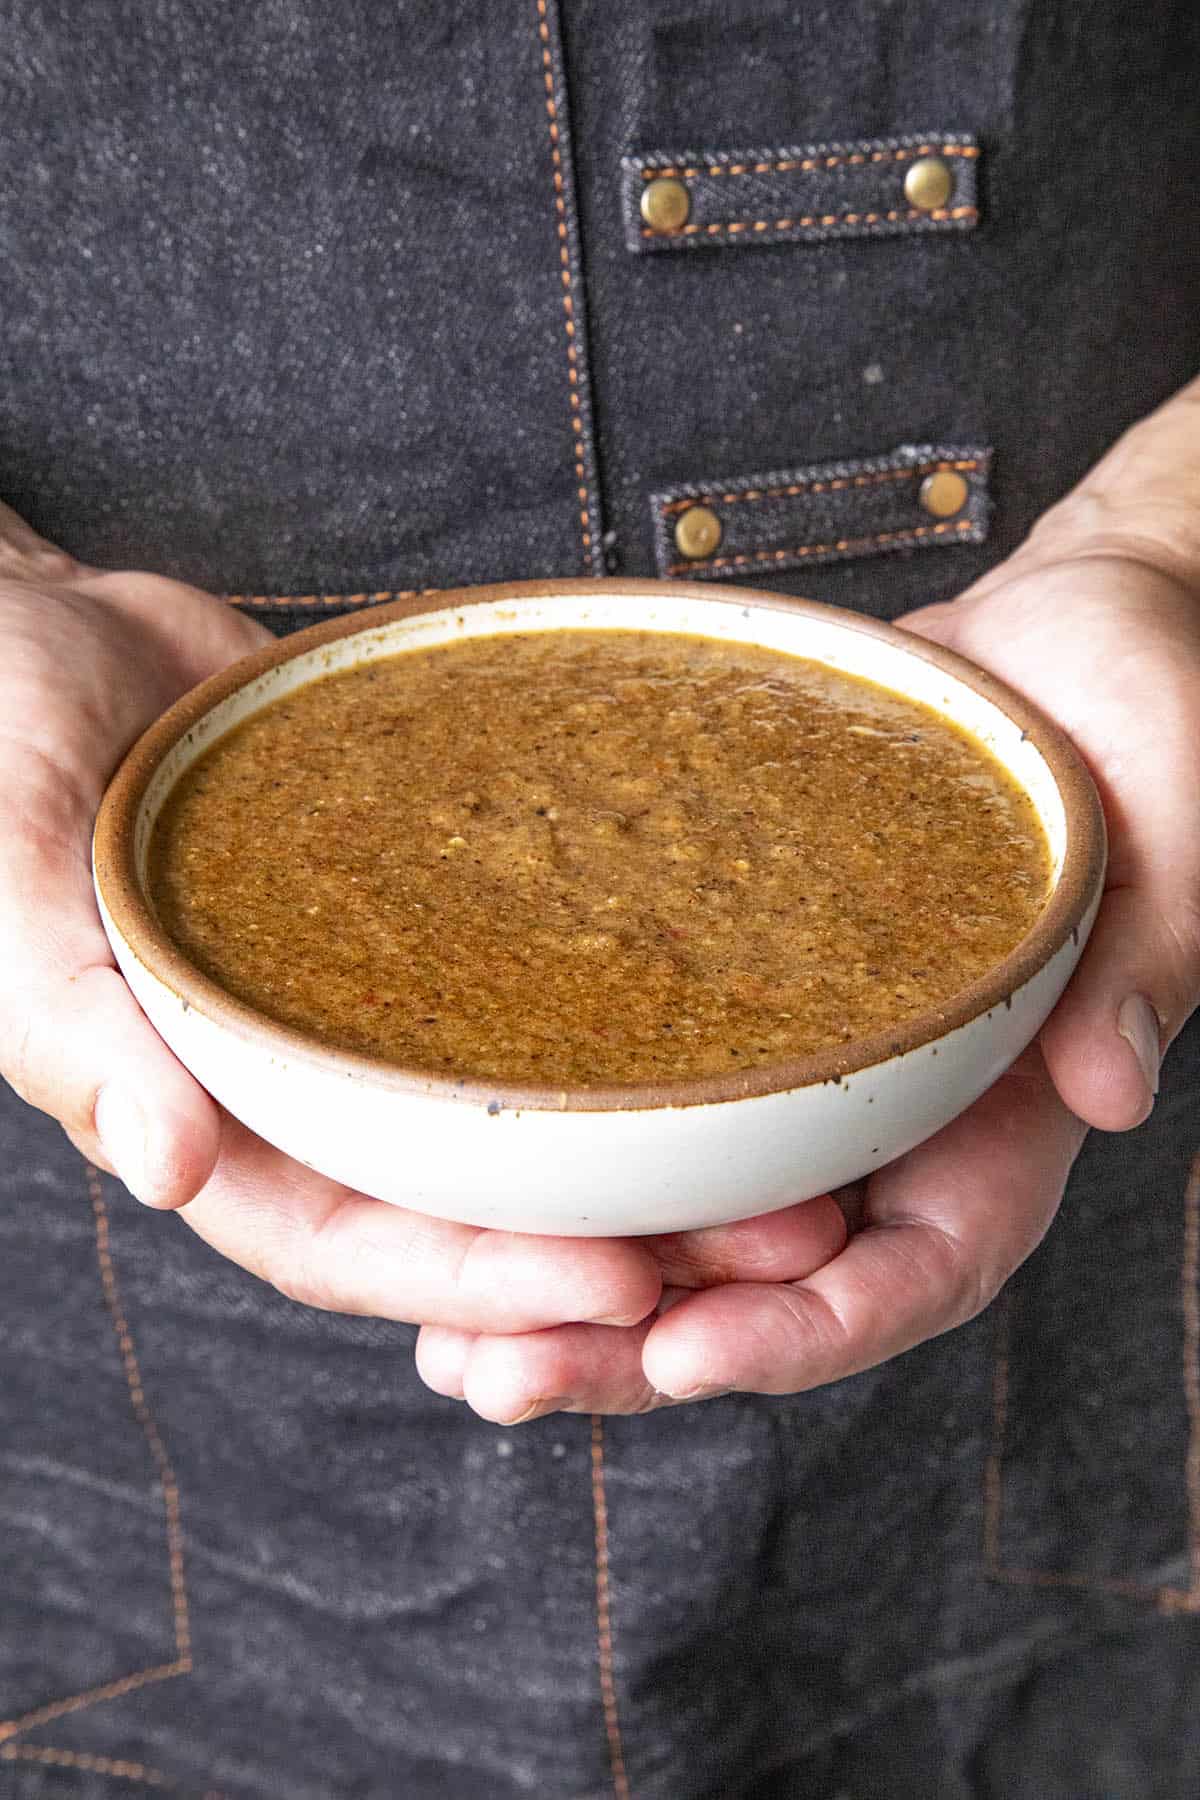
603,1161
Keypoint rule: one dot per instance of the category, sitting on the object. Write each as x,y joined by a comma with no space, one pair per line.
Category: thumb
1139,979
1138,982
1110,648
73,1040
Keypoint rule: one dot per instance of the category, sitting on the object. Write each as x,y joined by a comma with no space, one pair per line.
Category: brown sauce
595,857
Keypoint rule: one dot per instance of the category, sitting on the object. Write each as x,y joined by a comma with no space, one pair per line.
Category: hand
1097,620
89,659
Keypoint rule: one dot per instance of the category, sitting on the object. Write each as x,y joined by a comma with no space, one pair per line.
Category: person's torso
307,301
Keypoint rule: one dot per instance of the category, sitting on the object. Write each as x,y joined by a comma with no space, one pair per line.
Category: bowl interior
833,639
1035,752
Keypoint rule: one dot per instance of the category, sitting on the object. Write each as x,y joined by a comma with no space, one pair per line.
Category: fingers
512,1380
179,630
944,1228
441,1358
82,674
82,1051
326,1246
89,1057
588,1368
73,1040
780,1246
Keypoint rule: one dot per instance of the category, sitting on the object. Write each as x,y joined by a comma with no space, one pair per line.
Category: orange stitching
604,1644
126,1684
812,162
282,600
144,1417
98,1765
819,487
568,299
939,215
993,1488
842,544
1167,1599
111,1690
101,1765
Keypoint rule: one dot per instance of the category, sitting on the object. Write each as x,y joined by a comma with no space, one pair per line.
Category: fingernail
545,1403
121,1128
1138,1024
625,1319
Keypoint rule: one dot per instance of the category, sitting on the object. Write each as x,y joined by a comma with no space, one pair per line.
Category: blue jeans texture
312,304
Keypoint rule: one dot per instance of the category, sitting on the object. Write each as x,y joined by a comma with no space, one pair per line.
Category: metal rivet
697,532
944,493
666,204
928,184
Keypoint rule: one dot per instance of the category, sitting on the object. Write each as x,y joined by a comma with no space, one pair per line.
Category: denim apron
315,304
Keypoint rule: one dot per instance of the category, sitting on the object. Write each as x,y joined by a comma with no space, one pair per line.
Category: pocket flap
873,187
919,496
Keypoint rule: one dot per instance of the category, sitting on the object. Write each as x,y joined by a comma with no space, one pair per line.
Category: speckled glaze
610,1160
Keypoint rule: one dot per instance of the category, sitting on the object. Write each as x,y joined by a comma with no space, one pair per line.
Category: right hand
89,659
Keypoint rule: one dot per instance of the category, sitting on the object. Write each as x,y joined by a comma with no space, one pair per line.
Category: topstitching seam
604,1641
571,320
117,1767
825,486
858,157
181,1664
909,215
838,546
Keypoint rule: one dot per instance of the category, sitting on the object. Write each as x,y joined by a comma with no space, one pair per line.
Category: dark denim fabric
285,293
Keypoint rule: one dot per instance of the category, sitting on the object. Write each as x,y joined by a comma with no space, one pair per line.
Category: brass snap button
943,493
928,184
697,532
666,204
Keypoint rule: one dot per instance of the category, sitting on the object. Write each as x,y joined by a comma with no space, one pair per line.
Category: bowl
602,1161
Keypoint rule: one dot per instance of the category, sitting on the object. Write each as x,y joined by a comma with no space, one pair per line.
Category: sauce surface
588,857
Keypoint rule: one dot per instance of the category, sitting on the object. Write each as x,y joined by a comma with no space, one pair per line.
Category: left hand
1097,620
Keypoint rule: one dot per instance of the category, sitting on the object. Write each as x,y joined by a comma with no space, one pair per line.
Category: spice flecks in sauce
592,857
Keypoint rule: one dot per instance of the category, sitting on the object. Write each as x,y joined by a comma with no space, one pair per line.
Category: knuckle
816,1328
956,1275
32,1067
287,1257
1184,931
48,563
293,1276
333,1266
956,1281
17,1066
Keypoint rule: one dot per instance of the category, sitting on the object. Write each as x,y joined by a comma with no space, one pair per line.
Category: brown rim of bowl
1082,872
